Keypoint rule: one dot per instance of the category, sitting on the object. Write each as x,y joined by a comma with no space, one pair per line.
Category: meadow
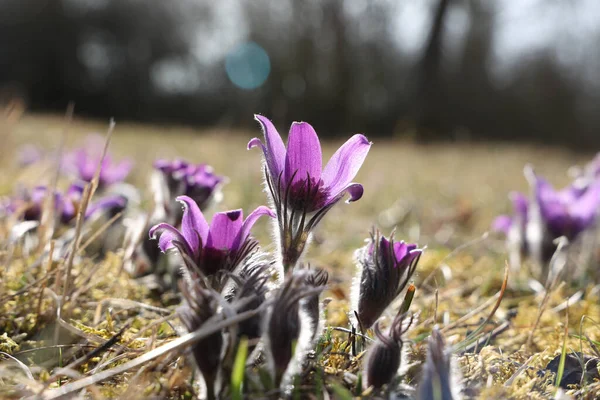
509,336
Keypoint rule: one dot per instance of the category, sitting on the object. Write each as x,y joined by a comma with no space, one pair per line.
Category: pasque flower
312,306
288,332
251,282
567,212
29,204
180,178
83,163
301,190
385,355
219,247
199,306
439,378
384,269
547,215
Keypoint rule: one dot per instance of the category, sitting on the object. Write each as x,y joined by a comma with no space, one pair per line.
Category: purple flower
549,214
288,330
84,161
567,212
180,178
301,190
384,356
385,268
219,247
504,223
29,205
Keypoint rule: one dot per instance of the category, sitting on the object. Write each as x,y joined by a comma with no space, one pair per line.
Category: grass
440,195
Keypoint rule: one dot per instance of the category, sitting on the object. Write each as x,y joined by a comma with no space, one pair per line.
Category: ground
442,195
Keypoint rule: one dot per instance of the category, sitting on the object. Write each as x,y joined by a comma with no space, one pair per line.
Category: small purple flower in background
29,205
180,178
83,162
210,250
548,215
384,269
567,212
385,355
514,228
302,192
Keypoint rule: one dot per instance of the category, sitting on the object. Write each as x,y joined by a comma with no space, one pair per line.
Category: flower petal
116,172
166,234
84,165
520,203
400,250
193,225
502,224
553,211
584,211
273,149
249,222
303,154
224,229
106,203
345,163
355,190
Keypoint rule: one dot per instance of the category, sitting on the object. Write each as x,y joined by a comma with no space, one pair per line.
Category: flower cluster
225,274
83,162
28,205
546,215
180,178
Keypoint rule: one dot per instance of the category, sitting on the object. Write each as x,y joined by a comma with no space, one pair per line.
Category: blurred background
430,69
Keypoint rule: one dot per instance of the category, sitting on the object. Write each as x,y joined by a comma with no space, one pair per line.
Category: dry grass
441,195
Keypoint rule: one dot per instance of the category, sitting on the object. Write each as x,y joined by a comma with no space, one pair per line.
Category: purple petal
115,172
520,203
412,254
345,163
224,229
584,211
400,250
384,244
249,222
85,166
106,203
273,149
166,234
193,225
75,191
303,154
502,224
256,142
553,210
67,209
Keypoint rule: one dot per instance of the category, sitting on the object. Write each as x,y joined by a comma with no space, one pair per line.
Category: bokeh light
248,66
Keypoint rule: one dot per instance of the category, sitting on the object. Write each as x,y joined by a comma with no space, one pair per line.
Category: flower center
306,195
